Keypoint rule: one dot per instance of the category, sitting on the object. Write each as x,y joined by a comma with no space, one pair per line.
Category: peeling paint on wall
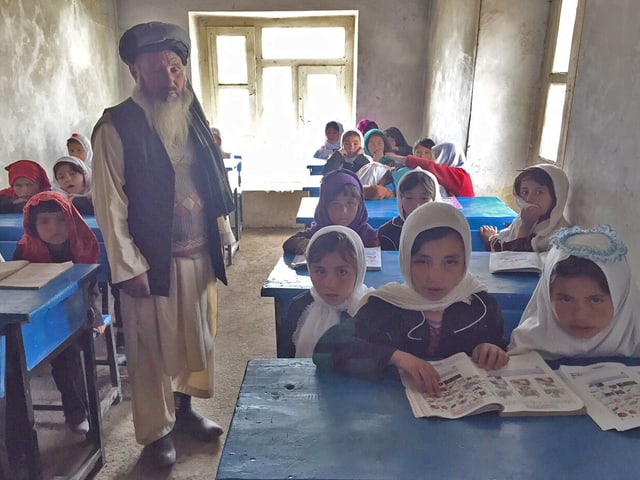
59,74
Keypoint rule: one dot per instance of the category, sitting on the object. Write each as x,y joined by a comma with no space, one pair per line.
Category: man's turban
154,37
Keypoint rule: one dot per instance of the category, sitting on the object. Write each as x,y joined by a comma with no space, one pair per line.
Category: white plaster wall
391,61
452,48
508,63
57,74
603,145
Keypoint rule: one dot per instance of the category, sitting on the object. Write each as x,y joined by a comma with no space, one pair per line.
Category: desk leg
23,450
95,435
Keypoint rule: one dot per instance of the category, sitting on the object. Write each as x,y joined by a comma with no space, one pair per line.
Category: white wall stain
60,73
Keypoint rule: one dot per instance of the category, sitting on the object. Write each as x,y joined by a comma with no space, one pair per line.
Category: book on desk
23,274
522,262
525,386
372,258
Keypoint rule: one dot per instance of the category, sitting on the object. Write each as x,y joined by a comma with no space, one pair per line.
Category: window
272,84
563,41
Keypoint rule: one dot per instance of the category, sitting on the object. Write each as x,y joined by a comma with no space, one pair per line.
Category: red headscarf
84,244
27,169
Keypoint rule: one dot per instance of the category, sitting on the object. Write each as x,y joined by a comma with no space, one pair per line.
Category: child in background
541,192
336,263
375,176
415,188
341,202
365,125
350,156
441,309
73,178
586,304
453,179
79,146
396,141
333,132
26,178
55,232
217,137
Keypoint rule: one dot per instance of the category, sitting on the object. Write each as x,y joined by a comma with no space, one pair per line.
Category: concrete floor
245,331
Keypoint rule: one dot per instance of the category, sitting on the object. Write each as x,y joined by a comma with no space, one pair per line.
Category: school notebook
611,393
525,386
372,258
26,275
503,262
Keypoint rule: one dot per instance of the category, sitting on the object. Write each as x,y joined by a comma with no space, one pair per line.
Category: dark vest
150,189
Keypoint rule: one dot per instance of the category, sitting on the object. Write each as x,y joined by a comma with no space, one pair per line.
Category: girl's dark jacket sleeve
363,347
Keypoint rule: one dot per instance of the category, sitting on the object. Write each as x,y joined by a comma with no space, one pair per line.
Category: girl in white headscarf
440,310
586,303
415,187
541,192
336,263
333,132
79,146
73,178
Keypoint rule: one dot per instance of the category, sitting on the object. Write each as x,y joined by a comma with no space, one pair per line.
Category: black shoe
160,453
199,427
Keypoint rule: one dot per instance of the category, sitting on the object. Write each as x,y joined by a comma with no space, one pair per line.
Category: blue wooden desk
311,184
293,422
315,166
478,211
511,290
37,325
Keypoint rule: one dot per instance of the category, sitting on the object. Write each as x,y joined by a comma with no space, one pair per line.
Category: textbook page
528,386
33,275
611,392
464,391
516,262
9,268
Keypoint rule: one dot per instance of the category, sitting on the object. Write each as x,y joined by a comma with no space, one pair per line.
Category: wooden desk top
293,422
19,305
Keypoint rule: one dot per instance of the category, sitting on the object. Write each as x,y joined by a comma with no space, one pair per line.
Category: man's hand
489,356
137,286
425,378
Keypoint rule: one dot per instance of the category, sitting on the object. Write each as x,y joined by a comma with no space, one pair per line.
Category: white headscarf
448,154
556,220
319,316
431,176
371,173
86,172
426,217
86,144
539,330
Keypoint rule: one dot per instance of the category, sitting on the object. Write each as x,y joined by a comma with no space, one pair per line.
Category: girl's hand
488,231
425,378
99,330
530,216
342,151
489,356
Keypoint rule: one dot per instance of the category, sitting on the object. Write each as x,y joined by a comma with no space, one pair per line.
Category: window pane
233,114
552,122
565,35
321,105
296,43
232,59
277,105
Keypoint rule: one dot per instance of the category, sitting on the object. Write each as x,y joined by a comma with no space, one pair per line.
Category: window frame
548,77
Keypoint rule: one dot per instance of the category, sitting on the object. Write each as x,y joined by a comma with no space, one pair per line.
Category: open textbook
23,274
526,386
611,393
372,257
500,262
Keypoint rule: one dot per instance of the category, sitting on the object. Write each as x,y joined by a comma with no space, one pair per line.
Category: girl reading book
586,303
441,309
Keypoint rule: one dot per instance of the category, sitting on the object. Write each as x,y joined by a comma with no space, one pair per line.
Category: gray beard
170,119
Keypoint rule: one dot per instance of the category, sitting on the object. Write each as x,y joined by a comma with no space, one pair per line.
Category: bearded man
159,187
